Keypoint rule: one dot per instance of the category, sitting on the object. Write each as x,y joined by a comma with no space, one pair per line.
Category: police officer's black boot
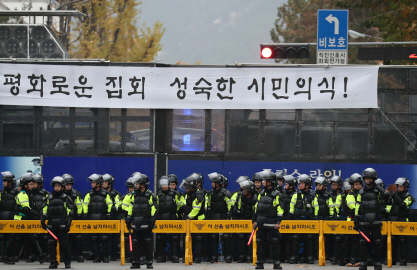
242,247
214,240
175,248
149,253
52,253
105,250
310,248
135,255
161,249
294,248
260,253
227,248
79,245
378,254
276,254
2,246
403,251
249,252
336,249
198,249
96,251
363,254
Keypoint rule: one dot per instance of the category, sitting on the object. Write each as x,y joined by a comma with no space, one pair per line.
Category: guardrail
216,226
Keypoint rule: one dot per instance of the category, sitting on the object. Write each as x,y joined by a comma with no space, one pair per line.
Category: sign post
332,36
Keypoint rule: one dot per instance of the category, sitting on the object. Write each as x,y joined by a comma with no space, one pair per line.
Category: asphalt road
169,265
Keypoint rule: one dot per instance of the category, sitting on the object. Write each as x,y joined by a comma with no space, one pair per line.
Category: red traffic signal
269,51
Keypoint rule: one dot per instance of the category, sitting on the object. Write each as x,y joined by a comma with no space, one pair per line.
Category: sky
212,32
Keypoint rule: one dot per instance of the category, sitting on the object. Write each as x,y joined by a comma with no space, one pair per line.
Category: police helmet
369,173
38,179
356,177
304,178
142,179
256,177
380,183
336,179
26,179
321,180
8,176
225,181
189,182
130,182
290,180
347,186
133,174
198,177
216,178
247,185
163,181
240,179
96,178
108,178
279,174
58,180
68,178
402,181
268,176
173,178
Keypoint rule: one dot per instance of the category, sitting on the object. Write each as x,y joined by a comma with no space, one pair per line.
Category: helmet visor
214,177
265,175
93,177
400,181
183,185
244,184
163,182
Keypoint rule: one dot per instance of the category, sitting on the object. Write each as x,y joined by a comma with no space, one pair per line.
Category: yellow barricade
404,228
21,226
345,227
95,226
221,226
299,226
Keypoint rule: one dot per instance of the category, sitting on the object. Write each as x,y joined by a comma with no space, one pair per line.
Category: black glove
43,224
186,217
85,216
356,223
35,214
128,222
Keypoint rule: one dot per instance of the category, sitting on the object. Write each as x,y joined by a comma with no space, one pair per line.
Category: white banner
189,87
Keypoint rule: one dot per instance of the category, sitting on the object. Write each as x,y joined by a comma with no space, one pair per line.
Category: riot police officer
194,209
280,178
97,206
108,185
398,209
58,211
173,183
24,212
7,205
38,196
267,218
301,209
142,214
368,218
286,196
257,181
169,204
340,212
245,205
218,208
77,198
123,210
356,184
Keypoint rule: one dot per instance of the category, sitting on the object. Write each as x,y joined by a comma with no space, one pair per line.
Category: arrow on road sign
413,56
331,19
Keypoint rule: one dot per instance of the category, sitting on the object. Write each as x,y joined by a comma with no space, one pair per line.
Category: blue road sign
332,29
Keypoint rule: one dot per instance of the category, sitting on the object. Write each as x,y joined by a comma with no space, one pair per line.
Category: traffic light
387,53
269,51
